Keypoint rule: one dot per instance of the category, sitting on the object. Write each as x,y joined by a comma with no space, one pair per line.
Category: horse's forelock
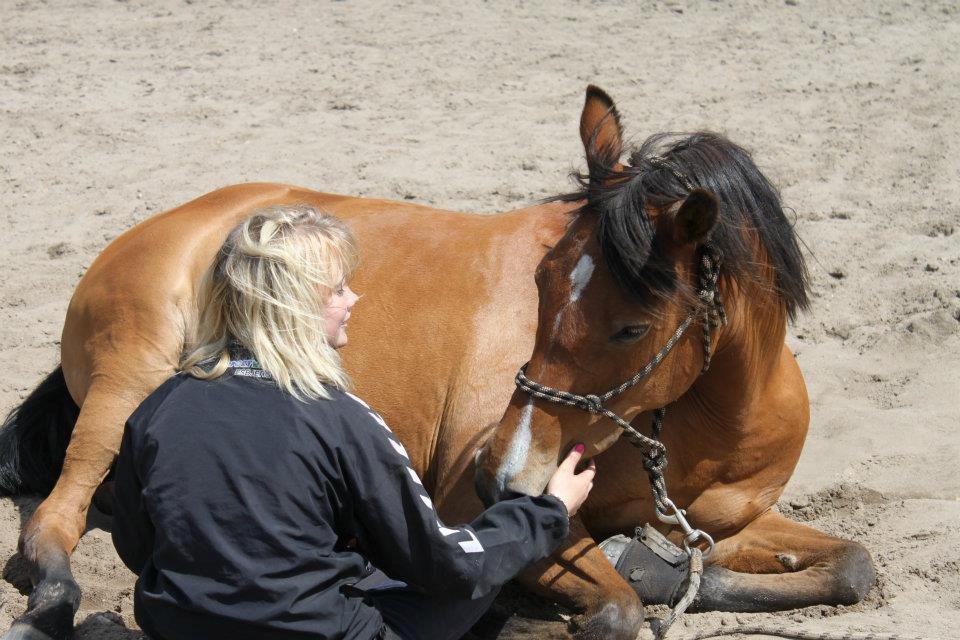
620,197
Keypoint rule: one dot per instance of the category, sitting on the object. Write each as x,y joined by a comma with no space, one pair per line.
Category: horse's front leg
580,576
775,564
54,530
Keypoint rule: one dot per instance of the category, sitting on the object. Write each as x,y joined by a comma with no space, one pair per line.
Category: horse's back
133,308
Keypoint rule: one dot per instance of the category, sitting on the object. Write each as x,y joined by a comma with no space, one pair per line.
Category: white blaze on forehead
516,457
580,276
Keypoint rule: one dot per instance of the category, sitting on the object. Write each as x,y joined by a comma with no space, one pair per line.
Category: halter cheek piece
654,452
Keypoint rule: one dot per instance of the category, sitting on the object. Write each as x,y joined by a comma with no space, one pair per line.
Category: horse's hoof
23,631
50,612
26,627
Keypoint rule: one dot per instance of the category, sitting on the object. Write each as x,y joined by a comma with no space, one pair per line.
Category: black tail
34,438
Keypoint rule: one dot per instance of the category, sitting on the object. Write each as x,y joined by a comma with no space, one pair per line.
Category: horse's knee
855,574
619,619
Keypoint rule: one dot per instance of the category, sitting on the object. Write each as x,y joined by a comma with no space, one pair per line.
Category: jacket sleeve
133,533
402,535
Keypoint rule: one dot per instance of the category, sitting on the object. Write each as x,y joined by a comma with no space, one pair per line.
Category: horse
450,312
688,232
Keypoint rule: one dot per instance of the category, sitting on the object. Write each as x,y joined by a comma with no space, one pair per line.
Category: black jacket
235,504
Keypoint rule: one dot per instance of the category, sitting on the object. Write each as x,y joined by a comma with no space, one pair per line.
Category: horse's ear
696,217
600,128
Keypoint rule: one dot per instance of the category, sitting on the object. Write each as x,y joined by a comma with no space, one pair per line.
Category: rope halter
654,451
710,309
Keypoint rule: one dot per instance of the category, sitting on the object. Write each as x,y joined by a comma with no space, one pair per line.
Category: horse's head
618,288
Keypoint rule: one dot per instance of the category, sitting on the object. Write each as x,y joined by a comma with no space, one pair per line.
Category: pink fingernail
579,448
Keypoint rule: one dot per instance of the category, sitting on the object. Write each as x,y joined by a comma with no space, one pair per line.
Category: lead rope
714,316
779,632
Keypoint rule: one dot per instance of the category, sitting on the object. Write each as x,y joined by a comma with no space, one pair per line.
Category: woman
252,492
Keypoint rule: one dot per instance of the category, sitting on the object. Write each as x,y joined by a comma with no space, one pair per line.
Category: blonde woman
242,481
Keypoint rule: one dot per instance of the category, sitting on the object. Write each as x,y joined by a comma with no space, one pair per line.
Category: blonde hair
267,289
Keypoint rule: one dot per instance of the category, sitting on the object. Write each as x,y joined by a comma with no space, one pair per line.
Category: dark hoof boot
655,567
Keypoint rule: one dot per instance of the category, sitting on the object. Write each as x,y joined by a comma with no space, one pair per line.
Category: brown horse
616,292
449,314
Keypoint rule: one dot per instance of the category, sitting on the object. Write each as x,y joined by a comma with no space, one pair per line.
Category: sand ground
111,111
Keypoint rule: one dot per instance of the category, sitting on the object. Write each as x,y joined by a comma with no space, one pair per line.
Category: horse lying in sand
451,311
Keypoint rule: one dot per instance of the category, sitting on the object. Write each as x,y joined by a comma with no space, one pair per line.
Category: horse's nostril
485,487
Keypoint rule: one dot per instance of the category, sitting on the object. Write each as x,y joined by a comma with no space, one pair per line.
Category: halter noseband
654,452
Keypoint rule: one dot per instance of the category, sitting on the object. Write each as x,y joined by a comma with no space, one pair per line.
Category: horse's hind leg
53,531
775,564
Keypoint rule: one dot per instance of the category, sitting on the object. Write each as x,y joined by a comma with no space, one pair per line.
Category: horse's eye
630,333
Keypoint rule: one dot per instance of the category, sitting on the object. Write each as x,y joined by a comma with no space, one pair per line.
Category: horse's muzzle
489,490
486,487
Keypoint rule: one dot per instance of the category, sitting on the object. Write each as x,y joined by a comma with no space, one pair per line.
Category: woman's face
336,314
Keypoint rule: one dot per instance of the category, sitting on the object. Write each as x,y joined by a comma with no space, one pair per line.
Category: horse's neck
747,356
474,282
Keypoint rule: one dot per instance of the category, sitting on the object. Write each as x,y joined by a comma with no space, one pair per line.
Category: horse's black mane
749,206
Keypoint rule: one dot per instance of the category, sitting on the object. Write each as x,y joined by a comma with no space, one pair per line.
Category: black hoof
50,612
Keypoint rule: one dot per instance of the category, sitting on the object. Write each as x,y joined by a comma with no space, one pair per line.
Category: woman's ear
696,217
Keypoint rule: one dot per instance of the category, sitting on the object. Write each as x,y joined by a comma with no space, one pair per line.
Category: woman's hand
569,486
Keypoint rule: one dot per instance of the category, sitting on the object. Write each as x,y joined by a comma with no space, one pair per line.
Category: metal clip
690,535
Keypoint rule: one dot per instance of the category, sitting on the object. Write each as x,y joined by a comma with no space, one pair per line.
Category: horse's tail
34,438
